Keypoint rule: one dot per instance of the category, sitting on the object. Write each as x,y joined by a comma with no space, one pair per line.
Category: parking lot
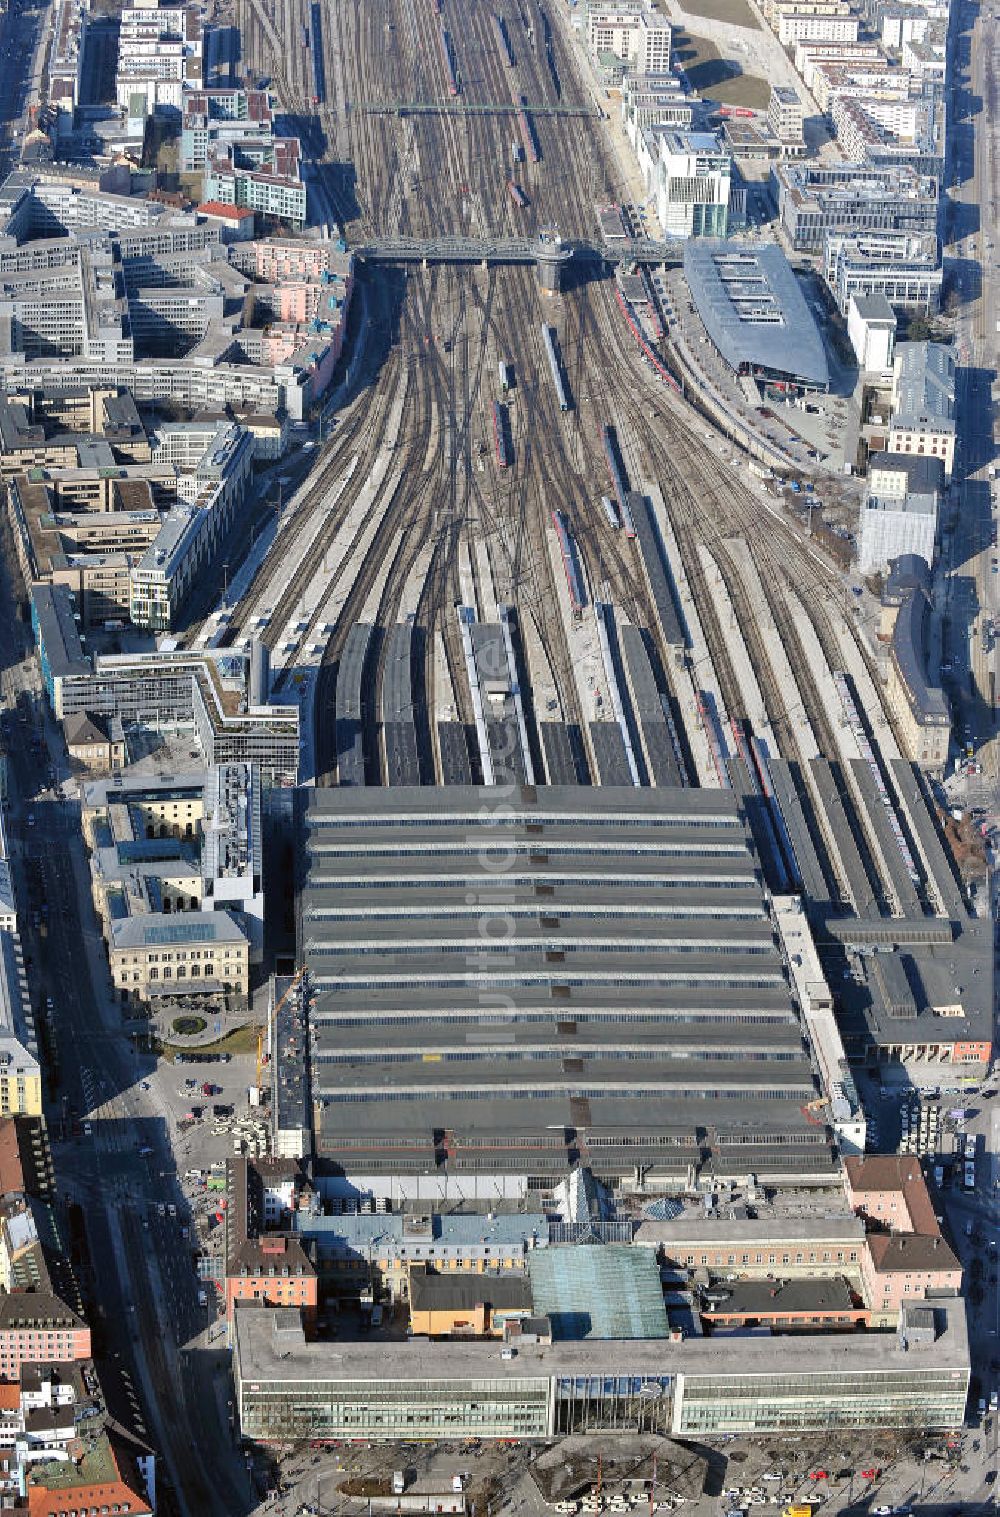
869,1474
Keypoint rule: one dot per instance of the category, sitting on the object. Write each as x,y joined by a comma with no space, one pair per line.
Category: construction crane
293,982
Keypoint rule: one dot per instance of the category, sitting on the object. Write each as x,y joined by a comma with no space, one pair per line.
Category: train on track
747,748
619,481
501,448
518,196
645,347
500,31
527,130
318,65
449,62
304,35
556,368
608,507
567,550
506,374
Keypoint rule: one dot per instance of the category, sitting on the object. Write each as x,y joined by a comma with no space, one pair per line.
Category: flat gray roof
58,633
261,1354
175,930
753,309
718,1231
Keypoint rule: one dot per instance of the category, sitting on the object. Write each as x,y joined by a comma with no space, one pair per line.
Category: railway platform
777,656
739,655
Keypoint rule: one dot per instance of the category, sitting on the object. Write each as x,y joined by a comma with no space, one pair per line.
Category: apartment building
37,1327
159,55
836,25
106,1475
228,116
904,23
635,34
809,56
105,292
69,30
785,116
20,1070
872,129
277,196
831,80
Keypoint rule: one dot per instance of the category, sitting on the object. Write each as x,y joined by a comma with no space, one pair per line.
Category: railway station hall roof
513,979
754,311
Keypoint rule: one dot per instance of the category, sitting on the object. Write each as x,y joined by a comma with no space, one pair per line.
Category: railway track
444,174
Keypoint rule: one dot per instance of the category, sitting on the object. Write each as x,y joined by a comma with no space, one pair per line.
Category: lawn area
243,1040
735,12
719,78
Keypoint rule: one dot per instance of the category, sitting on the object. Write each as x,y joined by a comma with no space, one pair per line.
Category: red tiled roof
81,1498
219,208
896,1172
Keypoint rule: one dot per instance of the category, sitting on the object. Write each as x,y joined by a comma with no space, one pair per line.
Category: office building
191,535
206,693
907,1259
923,402
654,100
615,1003
915,696
187,843
871,330
157,958
905,267
96,744
36,1325
815,199
291,1389
755,313
692,184
899,515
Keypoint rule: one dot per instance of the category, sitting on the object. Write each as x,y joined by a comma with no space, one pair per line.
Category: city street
138,1279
